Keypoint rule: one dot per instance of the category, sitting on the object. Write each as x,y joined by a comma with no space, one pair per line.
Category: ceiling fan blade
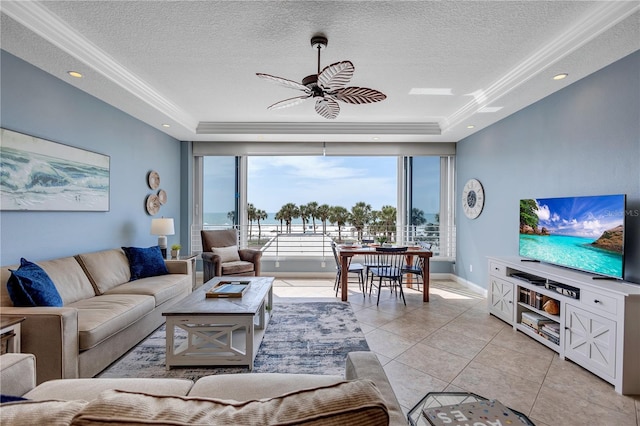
327,107
336,76
359,95
288,102
283,82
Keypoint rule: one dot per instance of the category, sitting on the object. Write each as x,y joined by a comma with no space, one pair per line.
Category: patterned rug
300,338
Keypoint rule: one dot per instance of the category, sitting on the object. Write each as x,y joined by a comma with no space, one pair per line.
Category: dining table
346,253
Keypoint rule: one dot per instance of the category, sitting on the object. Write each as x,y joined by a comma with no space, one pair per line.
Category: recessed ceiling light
431,91
75,74
560,76
166,125
470,126
375,138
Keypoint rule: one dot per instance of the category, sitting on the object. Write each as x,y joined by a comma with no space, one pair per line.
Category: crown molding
602,17
326,128
51,28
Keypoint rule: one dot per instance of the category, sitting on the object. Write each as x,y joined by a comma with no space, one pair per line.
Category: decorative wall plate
162,196
153,179
153,204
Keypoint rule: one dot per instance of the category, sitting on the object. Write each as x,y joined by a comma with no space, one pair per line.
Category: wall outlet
277,264
323,264
470,268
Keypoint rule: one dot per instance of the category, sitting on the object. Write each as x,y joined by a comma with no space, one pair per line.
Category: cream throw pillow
351,403
227,254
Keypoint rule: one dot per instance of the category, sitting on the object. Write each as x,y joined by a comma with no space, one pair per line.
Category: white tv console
599,330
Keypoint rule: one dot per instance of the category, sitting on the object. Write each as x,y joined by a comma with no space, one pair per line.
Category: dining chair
372,260
388,275
416,268
354,268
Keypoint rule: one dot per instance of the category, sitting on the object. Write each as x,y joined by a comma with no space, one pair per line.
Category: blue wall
39,104
582,140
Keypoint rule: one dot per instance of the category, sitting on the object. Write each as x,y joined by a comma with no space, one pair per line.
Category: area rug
310,338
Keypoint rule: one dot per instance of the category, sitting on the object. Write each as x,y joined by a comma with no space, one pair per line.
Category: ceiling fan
327,86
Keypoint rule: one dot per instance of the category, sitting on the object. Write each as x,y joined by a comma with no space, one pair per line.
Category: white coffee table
220,331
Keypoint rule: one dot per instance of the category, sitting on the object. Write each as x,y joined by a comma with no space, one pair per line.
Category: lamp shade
162,226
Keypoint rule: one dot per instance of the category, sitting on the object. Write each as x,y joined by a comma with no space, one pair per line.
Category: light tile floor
452,344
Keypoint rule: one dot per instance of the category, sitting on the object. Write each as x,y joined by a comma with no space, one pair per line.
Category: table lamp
162,227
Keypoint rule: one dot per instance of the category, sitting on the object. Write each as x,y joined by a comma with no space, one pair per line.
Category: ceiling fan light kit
327,86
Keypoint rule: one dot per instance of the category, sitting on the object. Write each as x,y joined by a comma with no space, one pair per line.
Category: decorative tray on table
228,289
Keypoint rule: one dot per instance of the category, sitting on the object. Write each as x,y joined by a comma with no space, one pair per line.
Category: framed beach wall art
41,175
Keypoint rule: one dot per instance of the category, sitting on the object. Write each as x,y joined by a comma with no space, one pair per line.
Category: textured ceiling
192,64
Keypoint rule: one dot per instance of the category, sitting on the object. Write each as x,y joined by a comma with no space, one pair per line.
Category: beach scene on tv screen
585,233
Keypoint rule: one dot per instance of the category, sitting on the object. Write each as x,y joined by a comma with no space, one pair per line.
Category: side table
192,258
10,333
440,399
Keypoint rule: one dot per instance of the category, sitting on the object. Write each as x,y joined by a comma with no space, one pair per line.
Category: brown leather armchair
221,256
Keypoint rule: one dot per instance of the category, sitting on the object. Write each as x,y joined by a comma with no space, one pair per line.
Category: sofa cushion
349,402
17,373
227,254
145,262
100,317
162,288
242,387
239,267
29,285
105,269
90,389
70,279
50,413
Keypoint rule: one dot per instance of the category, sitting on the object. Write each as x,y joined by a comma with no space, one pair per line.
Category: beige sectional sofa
363,396
104,314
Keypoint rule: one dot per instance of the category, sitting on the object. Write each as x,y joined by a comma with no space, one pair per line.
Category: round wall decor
472,198
153,204
162,196
153,179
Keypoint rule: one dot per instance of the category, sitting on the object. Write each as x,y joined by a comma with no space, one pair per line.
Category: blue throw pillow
11,398
30,285
145,262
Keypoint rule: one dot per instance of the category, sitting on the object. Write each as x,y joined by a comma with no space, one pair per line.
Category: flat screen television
584,233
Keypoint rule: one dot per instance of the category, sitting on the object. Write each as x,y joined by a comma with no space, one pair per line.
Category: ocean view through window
344,199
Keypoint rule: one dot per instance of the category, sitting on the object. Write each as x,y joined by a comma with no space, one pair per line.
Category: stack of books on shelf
533,298
536,321
551,331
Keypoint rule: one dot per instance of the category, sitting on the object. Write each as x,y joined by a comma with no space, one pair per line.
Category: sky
336,181
586,217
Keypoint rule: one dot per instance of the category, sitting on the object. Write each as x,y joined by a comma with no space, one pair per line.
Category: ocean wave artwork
36,174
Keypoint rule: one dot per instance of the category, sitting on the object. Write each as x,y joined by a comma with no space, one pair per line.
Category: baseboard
468,284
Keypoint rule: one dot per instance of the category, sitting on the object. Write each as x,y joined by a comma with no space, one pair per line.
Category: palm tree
251,216
323,212
289,212
340,216
260,215
232,217
280,217
360,216
374,224
388,219
312,210
303,210
417,219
